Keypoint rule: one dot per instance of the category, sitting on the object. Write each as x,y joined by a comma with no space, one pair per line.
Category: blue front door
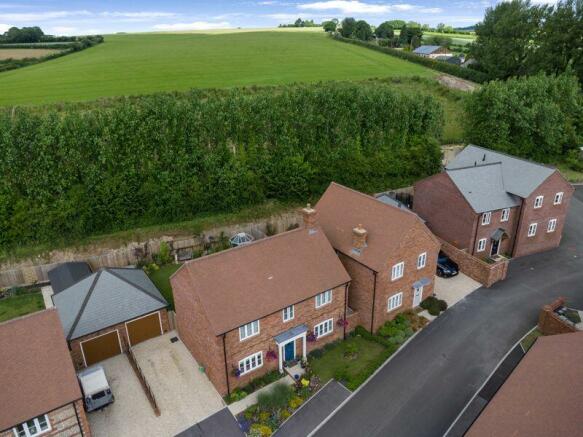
289,351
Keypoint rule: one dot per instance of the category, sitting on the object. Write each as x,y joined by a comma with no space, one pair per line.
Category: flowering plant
271,355
343,323
311,336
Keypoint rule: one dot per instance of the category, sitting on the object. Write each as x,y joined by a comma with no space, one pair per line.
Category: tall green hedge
454,70
68,172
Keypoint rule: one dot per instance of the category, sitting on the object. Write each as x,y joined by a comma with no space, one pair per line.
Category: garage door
100,348
144,328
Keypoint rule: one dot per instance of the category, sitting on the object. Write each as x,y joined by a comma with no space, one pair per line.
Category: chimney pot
359,237
310,217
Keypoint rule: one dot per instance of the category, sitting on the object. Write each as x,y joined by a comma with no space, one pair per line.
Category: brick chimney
310,217
359,238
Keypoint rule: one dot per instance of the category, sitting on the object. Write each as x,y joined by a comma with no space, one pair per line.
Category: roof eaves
143,290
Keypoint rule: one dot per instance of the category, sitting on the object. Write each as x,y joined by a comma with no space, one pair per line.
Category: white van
96,391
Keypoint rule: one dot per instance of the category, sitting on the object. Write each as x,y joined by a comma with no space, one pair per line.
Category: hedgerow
454,70
69,173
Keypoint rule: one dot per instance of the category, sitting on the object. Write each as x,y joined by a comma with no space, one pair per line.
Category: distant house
39,392
387,250
542,396
108,311
432,51
455,60
489,203
260,306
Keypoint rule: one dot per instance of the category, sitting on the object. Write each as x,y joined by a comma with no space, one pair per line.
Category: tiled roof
36,370
106,298
426,50
341,209
66,274
243,284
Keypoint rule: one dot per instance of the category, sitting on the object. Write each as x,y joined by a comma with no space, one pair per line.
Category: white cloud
144,15
431,10
289,17
267,3
41,16
347,7
64,30
4,27
196,25
403,7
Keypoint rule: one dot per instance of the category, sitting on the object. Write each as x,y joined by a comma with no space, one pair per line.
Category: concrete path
426,385
243,404
184,394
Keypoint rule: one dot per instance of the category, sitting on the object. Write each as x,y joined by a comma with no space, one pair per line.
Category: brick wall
75,345
485,273
548,321
361,288
64,422
272,325
543,240
486,231
446,212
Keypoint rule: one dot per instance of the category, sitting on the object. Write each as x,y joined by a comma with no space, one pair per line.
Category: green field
145,63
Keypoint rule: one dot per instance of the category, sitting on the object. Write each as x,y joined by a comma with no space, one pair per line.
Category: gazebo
240,239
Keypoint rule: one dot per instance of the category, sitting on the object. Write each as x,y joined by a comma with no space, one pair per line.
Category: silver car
95,387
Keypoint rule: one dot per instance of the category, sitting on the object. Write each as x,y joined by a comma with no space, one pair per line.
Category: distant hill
467,28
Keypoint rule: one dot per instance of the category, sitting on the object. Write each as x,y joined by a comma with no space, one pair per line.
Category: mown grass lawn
161,279
334,362
145,63
16,306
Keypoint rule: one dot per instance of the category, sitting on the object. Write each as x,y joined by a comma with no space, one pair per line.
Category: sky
77,17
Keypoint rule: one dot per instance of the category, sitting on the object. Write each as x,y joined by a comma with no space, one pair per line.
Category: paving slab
452,290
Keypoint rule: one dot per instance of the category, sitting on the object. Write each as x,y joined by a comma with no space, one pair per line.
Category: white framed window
249,330
538,202
422,260
33,427
395,301
288,313
323,298
532,229
552,225
486,218
505,215
482,245
558,198
251,362
324,328
398,271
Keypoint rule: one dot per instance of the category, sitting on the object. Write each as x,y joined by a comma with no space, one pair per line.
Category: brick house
489,203
108,311
251,309
388,252
39,392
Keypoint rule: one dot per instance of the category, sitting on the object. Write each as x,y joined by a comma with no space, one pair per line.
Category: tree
504,39
362,31
299,23
385,30
329,26
23,35
397,24
409,35
347,27
439,40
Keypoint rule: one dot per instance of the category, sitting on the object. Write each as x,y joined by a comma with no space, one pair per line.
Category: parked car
96,391
446,268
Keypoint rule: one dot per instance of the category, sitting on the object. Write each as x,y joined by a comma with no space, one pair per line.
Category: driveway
184,395
425,386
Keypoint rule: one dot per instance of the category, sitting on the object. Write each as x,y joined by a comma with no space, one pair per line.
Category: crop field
133,64
25,53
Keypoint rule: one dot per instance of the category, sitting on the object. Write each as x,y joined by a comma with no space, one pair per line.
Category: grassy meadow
131,64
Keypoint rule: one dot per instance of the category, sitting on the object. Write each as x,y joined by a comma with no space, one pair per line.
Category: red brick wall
485,231
417,241
360,291
196,333
436,199
75,345
543,240
549,323
64,422
485,273
272,325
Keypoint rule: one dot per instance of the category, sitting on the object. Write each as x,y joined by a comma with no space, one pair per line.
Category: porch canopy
499,234
288,336
421,283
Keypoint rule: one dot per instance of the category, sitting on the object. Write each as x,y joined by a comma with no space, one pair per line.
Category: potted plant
343,323
271,355
236,372
311,337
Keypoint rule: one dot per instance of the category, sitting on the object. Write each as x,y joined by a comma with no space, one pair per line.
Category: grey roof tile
425,50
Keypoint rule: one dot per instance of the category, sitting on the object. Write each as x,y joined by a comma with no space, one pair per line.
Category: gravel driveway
184,394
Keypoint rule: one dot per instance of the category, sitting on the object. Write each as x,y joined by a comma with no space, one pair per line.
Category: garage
100,348
144,328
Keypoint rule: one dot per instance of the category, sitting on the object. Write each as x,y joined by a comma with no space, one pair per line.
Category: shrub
259,430
433,305
295,402
276,398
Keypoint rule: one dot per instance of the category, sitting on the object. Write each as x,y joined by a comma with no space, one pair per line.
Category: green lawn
161,278
145,63
17,306
529,340
333,362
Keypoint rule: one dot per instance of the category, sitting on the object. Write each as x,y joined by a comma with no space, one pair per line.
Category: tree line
69,172
410,34
517,38
34,34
